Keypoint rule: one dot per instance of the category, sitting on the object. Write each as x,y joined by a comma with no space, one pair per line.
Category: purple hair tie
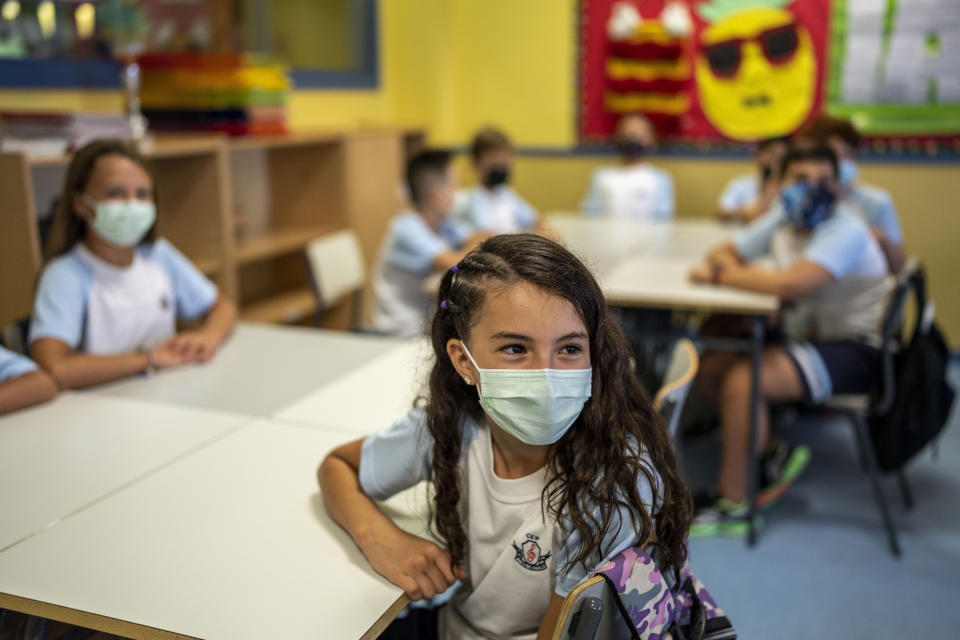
443,304
454,268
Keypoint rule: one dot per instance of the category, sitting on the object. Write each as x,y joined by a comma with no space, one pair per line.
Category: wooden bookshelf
285,307
242,210
276,242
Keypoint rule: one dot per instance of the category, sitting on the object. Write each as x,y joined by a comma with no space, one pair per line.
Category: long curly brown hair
618,441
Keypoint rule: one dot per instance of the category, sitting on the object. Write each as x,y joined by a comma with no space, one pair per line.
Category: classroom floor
822,567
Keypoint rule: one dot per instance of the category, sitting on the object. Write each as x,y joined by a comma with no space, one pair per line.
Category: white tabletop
647,263
259,370
371,397
231,542
58,458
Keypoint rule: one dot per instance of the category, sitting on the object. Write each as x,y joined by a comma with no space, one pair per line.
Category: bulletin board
715,73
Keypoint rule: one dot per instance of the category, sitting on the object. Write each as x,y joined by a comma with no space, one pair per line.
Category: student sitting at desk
418,243
872,203
21,384
112,291
832,273
636,190
749,196
545,455
493,205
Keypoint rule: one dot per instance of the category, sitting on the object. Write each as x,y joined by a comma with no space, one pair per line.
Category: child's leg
779,382
714,365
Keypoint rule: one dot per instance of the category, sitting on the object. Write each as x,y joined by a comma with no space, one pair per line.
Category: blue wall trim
742,153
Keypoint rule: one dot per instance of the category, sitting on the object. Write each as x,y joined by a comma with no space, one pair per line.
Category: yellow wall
458,64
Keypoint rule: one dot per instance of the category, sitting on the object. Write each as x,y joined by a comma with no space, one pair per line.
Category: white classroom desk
59,458
647,264
259,370
370,397
231,542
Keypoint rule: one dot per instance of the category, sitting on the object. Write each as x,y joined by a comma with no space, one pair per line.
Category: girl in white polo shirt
111,293
543,452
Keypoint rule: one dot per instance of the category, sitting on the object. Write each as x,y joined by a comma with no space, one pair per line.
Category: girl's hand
164,357
418,566
193,346
701,273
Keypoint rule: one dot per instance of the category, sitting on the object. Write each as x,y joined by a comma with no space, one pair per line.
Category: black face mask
631,149
496,177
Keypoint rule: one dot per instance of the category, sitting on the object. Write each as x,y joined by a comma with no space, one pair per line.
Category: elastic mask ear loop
463,345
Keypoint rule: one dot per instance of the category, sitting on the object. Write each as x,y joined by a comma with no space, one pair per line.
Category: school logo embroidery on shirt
529,555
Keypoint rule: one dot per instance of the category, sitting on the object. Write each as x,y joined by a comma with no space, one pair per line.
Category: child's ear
80,208
460,361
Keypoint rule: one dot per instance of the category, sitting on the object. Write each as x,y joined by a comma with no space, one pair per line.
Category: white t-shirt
638,192
99,308
514,553
500,210
406,258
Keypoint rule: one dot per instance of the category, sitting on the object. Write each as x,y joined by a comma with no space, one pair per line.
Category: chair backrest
684,363
590,612
891,330
336,266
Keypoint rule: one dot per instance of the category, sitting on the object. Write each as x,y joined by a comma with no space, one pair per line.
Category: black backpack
921,403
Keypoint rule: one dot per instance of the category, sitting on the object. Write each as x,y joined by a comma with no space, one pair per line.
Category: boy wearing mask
872,203
492,205
635,190
832,277
419,242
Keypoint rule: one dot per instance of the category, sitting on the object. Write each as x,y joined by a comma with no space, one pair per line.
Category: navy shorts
833,367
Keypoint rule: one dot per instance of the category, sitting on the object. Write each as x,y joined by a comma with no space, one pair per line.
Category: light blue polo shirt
13,365
740,192
876,207
406,259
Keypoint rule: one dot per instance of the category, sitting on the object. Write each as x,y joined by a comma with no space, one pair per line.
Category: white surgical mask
122,222
536,406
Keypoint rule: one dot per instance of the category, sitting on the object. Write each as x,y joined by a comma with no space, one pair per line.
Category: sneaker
779,467
714,516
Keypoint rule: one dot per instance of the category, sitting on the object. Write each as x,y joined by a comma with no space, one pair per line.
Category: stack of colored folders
649,72
224,93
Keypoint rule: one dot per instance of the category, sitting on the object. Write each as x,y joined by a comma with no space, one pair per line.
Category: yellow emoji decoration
756,70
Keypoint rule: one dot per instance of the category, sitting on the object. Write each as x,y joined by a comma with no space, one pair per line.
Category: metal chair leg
905,491
860,426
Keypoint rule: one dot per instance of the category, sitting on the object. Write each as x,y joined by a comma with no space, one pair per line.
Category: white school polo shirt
500,210
99,308
514,553
640,192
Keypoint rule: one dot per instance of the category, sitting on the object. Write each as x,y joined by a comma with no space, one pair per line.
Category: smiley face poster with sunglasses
758,70
741,70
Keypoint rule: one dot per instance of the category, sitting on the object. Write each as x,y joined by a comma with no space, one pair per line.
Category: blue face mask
807,206
848,172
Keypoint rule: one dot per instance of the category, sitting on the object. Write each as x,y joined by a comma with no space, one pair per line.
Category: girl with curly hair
544,454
